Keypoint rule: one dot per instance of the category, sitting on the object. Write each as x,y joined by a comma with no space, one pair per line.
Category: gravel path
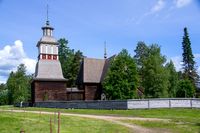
113,119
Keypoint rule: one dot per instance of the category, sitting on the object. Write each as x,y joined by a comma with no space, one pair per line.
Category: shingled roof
93,70
48,69
47,40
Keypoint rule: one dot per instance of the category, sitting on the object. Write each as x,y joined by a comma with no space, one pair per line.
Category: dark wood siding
75,96
92,91
49,91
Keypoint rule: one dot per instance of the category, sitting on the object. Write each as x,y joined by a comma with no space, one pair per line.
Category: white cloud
11,56
158,6
182,3
30,65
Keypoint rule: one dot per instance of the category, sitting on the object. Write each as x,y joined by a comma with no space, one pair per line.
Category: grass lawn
181,120
171,126
11,122
175,114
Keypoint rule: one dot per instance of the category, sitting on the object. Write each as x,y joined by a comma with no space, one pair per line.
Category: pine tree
188,59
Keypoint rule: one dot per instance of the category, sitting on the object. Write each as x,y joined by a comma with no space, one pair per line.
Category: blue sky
88,23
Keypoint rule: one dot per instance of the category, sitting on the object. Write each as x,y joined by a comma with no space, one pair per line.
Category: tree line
149,75
145,75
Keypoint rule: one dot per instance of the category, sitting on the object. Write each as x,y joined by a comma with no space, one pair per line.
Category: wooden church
49,84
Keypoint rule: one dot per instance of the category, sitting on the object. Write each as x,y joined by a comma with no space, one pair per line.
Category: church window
54,57
43,56
49,57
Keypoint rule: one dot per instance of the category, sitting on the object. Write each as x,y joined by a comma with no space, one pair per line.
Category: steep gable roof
92,70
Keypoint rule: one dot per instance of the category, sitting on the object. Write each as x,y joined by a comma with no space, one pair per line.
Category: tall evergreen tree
188,59
121,80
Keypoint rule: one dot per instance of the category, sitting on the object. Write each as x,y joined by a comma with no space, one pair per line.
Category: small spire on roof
47,22
105,52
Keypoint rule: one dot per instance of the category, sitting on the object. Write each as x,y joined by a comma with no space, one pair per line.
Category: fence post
50,125
58,122
54,118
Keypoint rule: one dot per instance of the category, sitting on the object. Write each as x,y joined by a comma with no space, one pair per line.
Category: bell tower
48,83
47,46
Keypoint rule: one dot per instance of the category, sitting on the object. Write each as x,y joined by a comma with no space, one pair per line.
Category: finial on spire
105,52
47,29
47,22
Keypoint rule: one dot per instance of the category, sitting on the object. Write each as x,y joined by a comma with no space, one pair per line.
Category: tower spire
47,29
47,22
105,52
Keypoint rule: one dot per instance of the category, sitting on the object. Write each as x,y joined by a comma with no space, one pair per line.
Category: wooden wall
49,91
75,96
56,91
92,91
